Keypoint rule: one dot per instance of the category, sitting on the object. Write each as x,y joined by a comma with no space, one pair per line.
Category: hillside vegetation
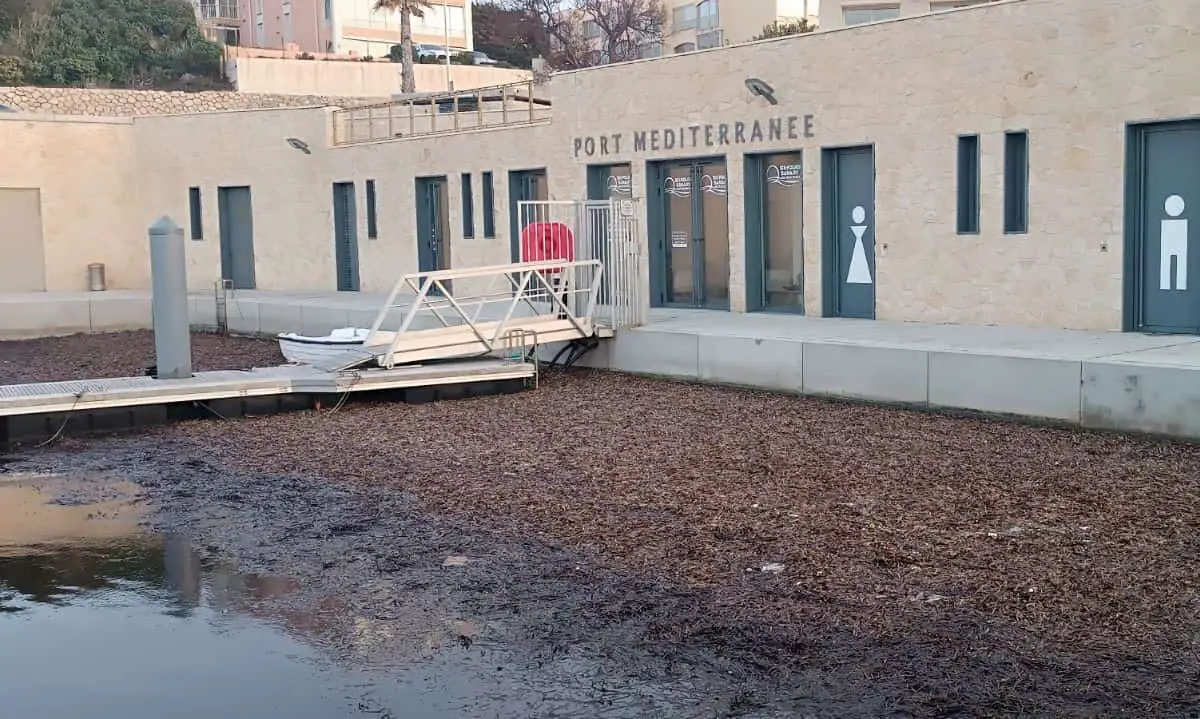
106,43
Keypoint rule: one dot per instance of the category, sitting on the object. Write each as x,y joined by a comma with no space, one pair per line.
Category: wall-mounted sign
620,185
714,184
775,129
679,186
679,240
785,175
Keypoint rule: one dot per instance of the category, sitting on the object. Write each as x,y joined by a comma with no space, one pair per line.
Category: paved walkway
1095,379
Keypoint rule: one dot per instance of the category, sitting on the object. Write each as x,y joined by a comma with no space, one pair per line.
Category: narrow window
468,207
489,206
1016,182
195,212
968,185
372,218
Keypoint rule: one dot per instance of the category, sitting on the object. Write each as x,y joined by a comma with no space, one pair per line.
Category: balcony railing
710,39
218,9
437,113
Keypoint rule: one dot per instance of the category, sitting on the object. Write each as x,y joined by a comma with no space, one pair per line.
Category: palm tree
407,9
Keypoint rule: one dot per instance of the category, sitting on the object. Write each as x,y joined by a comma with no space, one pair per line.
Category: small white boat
312,350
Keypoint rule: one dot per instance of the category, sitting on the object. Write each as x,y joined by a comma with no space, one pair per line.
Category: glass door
681,235
712,233
695,216
782,237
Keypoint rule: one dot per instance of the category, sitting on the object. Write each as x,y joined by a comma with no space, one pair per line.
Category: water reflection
101,618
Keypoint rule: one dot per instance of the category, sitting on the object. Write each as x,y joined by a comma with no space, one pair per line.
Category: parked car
481,58
424,52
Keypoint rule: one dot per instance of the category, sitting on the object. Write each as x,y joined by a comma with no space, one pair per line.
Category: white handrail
555,299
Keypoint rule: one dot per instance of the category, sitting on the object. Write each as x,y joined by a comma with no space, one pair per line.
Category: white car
428,51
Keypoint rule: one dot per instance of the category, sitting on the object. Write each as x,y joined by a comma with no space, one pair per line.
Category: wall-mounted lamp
762,89
299,144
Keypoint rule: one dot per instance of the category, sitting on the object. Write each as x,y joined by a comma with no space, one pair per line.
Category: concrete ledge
882,374
665,354
1148,395
1041,388
24,320
124,313
1143,398
767,363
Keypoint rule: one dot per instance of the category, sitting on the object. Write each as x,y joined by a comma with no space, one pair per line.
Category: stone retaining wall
124,103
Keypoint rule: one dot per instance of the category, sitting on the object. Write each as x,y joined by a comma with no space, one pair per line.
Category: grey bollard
168,273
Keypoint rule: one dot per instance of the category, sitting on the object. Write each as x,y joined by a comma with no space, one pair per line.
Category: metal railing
538,302
436,113
604,230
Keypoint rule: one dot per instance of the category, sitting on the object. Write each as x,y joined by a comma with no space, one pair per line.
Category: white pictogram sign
1174,244
860,271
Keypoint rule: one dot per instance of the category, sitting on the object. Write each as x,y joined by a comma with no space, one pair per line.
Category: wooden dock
38,411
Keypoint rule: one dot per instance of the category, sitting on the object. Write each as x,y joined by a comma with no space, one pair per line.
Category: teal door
433,250
523,186
236,220
848,237
345,236
1166,161
690,226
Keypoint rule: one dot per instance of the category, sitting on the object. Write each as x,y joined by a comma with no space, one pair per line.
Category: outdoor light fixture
299,144
762,89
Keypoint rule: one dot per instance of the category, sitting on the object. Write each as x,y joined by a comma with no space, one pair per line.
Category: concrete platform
1109,380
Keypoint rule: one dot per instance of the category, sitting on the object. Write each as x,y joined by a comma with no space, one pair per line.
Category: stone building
1024,162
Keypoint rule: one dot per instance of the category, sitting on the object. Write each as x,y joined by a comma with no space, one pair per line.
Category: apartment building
844,13
702,24
331,26
362,29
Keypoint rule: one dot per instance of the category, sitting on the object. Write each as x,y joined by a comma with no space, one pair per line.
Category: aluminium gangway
486,311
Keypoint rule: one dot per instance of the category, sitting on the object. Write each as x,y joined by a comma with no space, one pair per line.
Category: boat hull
300,349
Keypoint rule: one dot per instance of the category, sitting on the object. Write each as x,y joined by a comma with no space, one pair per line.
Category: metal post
168,276
446,30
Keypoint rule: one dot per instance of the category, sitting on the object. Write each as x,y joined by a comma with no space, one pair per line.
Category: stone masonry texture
128,103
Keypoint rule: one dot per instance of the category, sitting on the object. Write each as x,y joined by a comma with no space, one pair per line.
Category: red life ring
547,242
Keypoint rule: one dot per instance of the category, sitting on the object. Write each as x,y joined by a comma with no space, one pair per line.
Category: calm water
100,618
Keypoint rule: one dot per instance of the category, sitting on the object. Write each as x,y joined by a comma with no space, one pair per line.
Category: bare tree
626,26
581,33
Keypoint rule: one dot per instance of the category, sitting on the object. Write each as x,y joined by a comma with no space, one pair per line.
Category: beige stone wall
1071,72
85,169
126,103
356,79
293,196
